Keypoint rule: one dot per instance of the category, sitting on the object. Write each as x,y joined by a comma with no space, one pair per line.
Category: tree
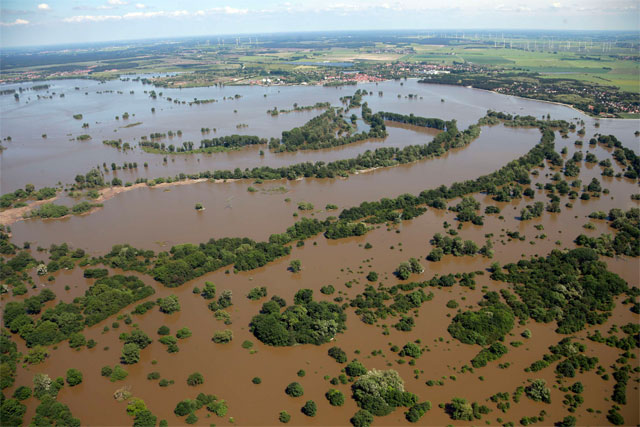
222,337
11,412
184,407
195,379
169,304
209,290
338,354
137,337
295,266
284,417
335,397
22,393
144,418
416,412
362,418
74,377
130,354
411,349
294,390
310,408
372,276
403,271
355,369
538,391
459,409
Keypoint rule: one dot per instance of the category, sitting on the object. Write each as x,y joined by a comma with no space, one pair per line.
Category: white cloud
16,22
127,16
117,2
91,18
157,14
44,6
229,10
140,6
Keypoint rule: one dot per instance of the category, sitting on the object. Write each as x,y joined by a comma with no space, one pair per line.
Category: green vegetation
257,293
223,337
310,408
571,358
416,412
105,297
460,409
627,236
338,354
584,297
335,397
380,392
169,304
195,379
493,352
294,390
483,327
305,322
74,377
284,417
538,391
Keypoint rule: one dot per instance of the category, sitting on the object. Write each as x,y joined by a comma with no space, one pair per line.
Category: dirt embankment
13,215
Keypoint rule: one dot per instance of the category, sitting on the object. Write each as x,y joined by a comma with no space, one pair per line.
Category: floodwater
156,218
30,158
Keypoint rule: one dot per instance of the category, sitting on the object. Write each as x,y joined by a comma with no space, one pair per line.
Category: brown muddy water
30,158
155,218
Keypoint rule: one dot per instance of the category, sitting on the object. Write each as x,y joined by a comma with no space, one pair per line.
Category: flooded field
157,218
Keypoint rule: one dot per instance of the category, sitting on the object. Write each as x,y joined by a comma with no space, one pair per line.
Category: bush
106,371
335,397
130,354
538,391
74,377
338,354
362,418
169,304
153,375
310,408
223,337
355,369
256,380
294,390
164,330
257,293
22,393
195,379
183,333
284,417
417,411
410,349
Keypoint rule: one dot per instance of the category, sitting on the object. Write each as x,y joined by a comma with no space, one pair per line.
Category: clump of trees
305,322
627,234
460,409
538,391
380,392
405,269
586,297
483,327
105,297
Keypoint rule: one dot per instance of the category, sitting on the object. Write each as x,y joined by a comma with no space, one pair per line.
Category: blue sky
43,22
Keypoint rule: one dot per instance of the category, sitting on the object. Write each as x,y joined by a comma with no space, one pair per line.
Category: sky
47,22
